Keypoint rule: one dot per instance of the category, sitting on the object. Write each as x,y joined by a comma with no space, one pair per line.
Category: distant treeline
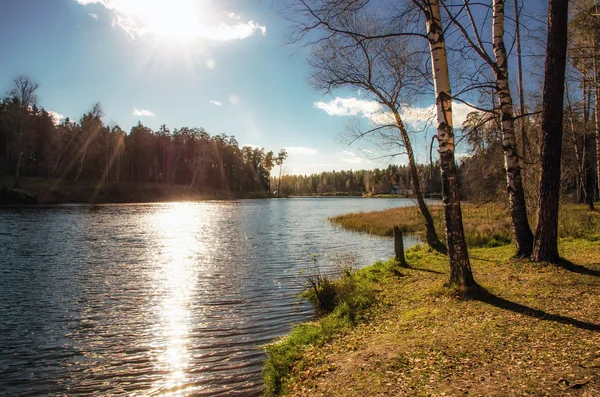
391,180
33,144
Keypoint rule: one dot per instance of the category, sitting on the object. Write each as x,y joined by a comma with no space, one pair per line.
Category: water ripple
160,299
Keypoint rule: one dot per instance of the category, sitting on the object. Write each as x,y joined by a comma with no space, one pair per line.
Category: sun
175,19
172,19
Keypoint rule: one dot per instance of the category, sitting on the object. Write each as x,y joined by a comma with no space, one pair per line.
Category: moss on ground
533,329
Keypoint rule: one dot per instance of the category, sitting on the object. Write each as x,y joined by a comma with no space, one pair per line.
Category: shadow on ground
485,296
572,267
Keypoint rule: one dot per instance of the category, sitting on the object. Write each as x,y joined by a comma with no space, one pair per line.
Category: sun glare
175,19
178,19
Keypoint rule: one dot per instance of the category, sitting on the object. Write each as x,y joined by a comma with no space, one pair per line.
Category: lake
162,299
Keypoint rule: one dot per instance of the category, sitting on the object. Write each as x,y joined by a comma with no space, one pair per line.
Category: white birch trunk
520,81
460,267
514,184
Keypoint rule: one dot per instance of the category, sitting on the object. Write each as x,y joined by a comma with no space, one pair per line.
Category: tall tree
498,65
91,125
584,31
400,22
388,70
24,91
545,246
460,266
281,157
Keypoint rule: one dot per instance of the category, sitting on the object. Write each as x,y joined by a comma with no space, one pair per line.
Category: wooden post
399,247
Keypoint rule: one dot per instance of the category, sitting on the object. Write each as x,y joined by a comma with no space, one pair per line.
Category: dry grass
486,225
533,330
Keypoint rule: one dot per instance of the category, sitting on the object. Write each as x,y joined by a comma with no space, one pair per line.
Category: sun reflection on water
177,227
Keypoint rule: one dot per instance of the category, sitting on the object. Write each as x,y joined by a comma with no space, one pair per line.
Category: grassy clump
577,221
487,225
340,301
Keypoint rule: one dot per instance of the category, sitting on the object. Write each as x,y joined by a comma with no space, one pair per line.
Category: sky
222,65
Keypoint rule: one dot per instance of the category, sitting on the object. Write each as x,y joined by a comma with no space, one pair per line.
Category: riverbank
60,191
533,329
486,225
433,196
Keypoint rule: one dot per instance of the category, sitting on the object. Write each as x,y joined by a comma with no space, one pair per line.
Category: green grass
486,225
531,330
350,295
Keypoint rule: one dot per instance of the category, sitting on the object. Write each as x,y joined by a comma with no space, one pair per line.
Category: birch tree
401,22
460,266
498,65
387,70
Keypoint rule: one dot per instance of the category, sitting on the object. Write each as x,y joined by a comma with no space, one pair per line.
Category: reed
486,225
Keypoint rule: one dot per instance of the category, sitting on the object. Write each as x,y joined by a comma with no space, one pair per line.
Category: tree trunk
597,116
579,158
514,185
545,246
399,247
588,169
18,171
589,146
279,181
520,83
460,267
80,168
431,235
19,154
7,152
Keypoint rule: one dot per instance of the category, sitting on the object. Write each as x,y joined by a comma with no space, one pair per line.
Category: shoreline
420,338
417,337
39,191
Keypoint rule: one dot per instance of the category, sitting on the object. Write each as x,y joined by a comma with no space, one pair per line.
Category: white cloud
356,107
217,103
460,111
210,63
375,111
57,117
252,146
426,114
182,19
301,150
94,16
352,158
143,113
349,107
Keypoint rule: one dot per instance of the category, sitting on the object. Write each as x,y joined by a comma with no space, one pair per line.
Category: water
161,299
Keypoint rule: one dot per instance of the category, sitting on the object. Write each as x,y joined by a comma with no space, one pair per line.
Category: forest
391,180
34,144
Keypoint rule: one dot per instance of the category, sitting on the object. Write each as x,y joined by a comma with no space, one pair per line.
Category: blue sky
220,65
